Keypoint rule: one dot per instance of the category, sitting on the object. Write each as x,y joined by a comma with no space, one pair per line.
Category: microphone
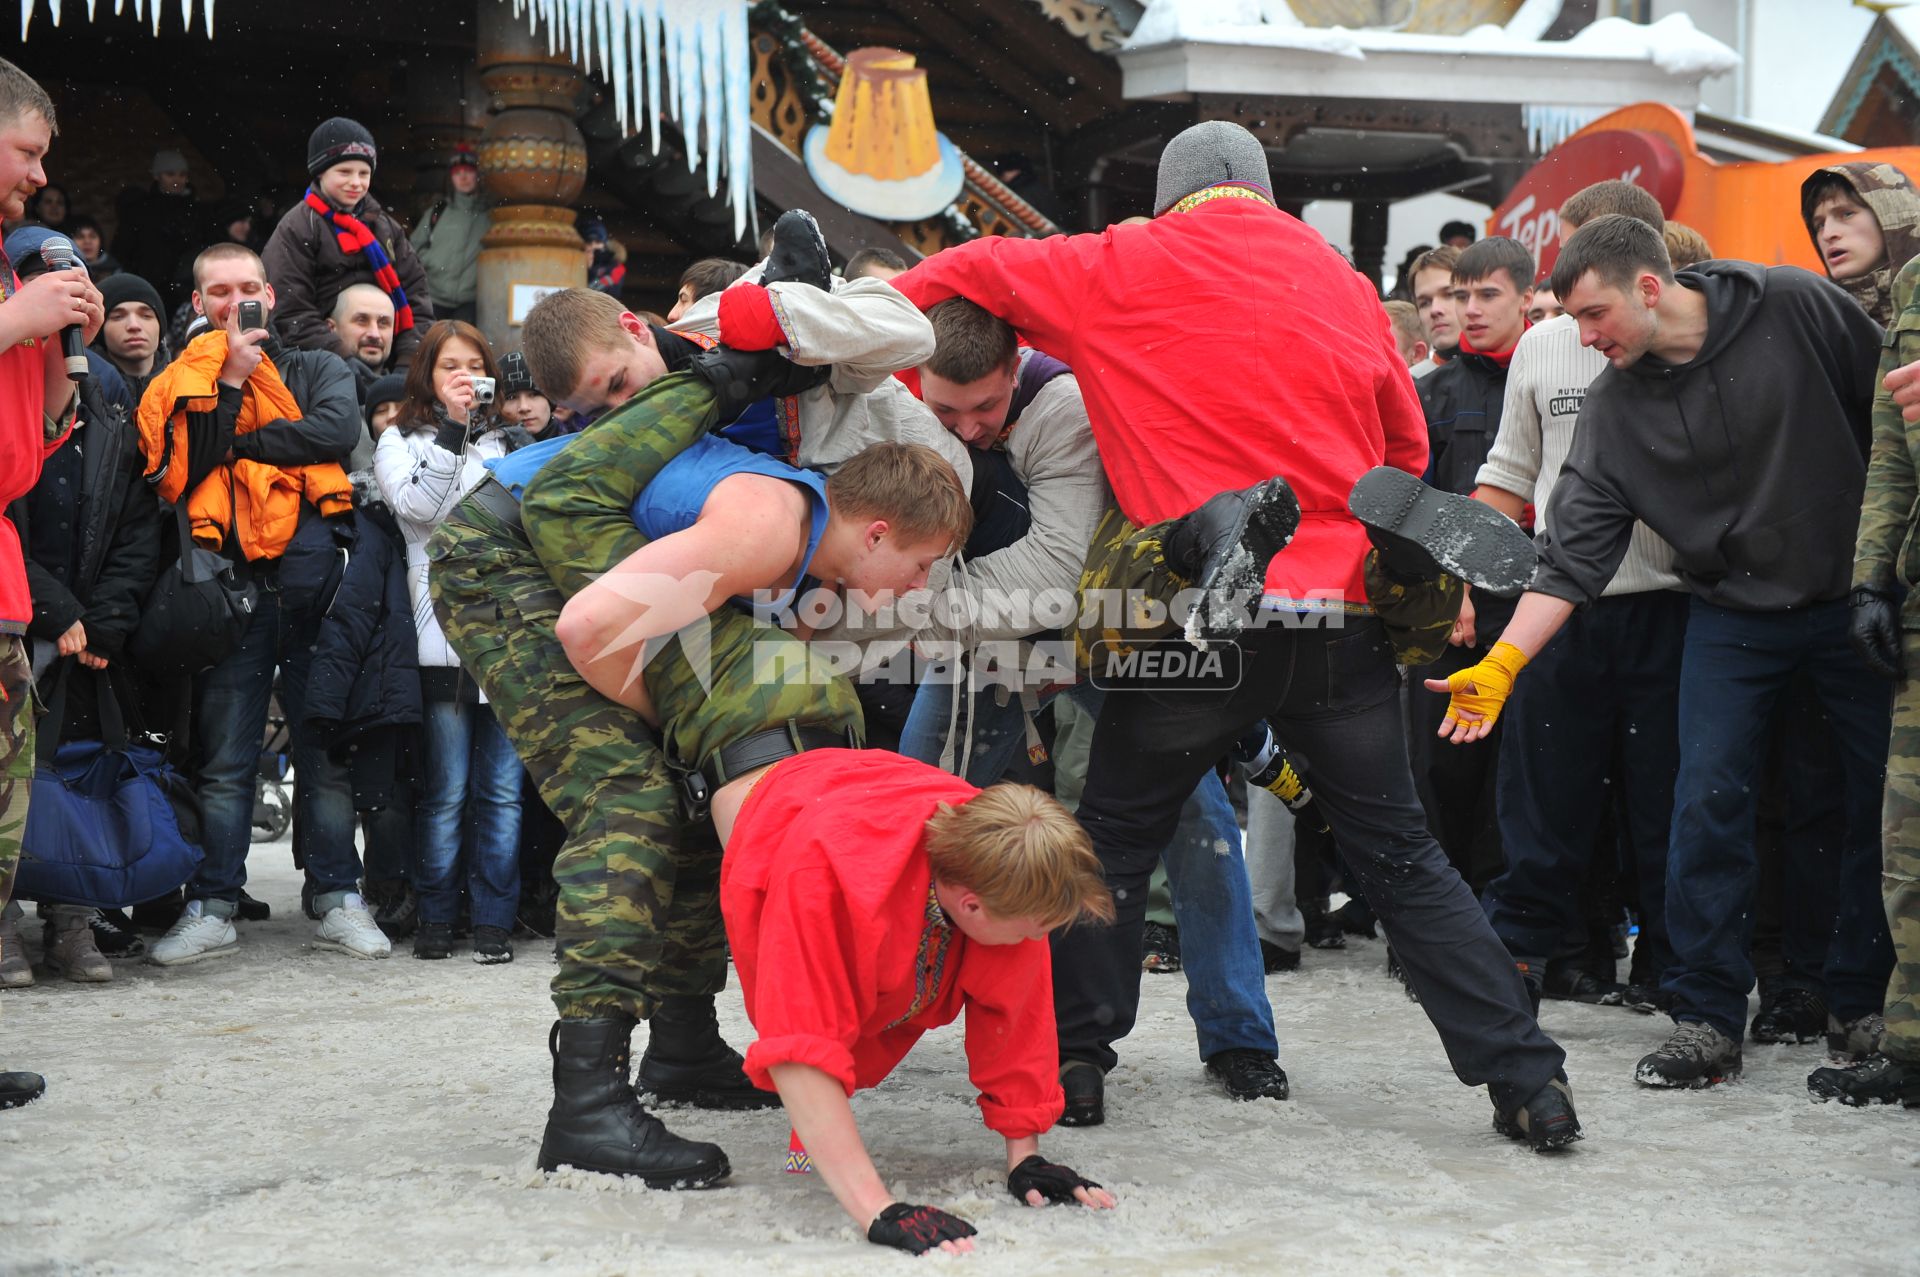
57,252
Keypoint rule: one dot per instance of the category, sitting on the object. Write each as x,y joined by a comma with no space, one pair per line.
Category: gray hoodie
1749,459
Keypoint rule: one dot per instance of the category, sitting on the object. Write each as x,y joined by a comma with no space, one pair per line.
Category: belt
493,497
754,752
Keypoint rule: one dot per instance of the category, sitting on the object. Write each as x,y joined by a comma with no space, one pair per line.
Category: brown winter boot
71,950
15,971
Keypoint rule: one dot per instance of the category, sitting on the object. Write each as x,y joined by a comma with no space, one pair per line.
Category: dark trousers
1333,695
1457,784
1802,827
1736,668
1597,705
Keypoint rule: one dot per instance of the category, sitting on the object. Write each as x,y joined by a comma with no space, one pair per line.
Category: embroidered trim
1225,190
930,961
787,410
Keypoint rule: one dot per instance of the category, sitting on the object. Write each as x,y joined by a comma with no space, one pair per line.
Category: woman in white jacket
470,783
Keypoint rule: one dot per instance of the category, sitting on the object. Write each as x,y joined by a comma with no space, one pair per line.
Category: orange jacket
257,502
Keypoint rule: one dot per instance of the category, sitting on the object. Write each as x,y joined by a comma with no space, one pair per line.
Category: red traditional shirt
845,959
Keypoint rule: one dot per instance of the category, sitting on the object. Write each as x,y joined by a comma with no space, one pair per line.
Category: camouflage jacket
1887,552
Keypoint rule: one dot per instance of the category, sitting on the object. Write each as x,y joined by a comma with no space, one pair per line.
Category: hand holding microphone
74,303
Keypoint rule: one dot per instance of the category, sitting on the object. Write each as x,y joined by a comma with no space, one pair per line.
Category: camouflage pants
721,679
638,915
1126,587
16,754
1900,861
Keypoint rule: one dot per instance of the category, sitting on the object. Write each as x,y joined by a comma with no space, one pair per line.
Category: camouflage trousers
638,915
16,754
1900,861
1127,591
720,679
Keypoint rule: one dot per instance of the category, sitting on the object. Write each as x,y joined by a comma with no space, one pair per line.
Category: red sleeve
803,976
1402,420
1034,284
1013,1053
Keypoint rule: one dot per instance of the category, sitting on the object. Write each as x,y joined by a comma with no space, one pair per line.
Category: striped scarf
354,237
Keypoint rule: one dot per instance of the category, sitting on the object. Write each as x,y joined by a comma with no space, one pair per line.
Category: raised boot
1222,550
71,949
799,252
1423,532
688,1062
598,1124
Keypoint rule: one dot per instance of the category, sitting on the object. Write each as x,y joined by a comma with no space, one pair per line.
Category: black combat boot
1086,1090
688,1062
20,1088
597,1122
1545,1120
1222,550
799,252
1422,532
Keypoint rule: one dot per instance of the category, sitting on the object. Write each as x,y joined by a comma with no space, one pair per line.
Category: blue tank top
672,502
757,428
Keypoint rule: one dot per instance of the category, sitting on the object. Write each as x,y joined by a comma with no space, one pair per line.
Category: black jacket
309,271
1750,459
1462,400
363,690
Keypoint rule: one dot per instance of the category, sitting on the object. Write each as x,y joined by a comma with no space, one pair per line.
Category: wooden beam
1054,104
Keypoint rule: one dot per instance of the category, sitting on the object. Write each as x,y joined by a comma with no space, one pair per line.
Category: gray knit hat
1208,154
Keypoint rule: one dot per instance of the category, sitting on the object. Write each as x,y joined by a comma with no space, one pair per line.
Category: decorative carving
1090,20
532,226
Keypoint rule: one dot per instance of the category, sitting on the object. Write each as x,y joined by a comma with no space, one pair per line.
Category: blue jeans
1206,872
1735,668
229,717
471,795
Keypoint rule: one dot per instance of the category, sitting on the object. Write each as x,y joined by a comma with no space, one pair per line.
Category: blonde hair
562,329
909,485
1022,853
1685,246
1407,329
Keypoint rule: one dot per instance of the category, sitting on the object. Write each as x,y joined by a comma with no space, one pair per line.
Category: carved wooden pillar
532,159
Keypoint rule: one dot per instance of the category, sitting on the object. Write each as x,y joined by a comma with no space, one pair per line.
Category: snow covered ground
291,1110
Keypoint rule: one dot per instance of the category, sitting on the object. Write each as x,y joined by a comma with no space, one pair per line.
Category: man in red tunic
1218,346
869,898
36,410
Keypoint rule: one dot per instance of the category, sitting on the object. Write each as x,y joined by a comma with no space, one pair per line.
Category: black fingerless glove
1874,631
741,377
918,1229
1056,1183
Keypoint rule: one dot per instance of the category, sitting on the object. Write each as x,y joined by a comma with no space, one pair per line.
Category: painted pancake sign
1531,213
881,155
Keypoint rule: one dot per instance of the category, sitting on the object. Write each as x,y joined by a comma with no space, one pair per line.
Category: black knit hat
337,141
119,289
391,388
516,376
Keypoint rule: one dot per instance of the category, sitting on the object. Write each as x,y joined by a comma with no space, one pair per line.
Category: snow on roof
1672,44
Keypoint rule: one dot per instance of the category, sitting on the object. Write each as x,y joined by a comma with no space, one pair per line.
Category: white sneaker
350,928
195,936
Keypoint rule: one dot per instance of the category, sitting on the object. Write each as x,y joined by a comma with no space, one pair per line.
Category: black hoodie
1749,459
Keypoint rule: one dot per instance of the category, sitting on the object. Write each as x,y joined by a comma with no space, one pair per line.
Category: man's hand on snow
1037,1181
918,1229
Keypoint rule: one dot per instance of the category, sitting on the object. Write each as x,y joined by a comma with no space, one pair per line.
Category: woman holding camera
470,784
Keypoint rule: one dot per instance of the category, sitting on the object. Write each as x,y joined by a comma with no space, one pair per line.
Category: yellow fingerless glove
1480,691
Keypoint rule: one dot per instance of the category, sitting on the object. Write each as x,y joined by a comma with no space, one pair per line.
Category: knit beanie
391,388
1208,154
117,290
516,376
337,141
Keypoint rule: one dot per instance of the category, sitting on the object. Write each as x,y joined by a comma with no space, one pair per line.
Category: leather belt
754,752
493,497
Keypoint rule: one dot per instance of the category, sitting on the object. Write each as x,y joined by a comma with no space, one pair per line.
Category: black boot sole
667,1181
1462,537
1559,1135
799,252
1233,579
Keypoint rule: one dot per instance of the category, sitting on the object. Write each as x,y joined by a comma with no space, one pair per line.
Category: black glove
740,377
1875,631
916,1229
1056,1183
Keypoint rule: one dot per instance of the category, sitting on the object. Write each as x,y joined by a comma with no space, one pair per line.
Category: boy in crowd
1864,219
707,276
914,896
1409,334
521,402
340,235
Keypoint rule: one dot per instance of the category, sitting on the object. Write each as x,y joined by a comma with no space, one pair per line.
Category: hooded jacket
308,272
1895,204
1749,459
448,243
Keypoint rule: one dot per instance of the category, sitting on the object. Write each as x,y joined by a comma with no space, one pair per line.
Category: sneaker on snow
1856,1039
350,928
113,934
1275,960
1695,1055
1878,1079
194,936
20,1088
70,950
1086,1089
433,941
491,946
1249,1074
1789,1015
1160,950
1571,984
1646,997
1546,1121
15,971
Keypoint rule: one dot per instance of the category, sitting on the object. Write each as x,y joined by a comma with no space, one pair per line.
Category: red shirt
1215,348
23,446
844,964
